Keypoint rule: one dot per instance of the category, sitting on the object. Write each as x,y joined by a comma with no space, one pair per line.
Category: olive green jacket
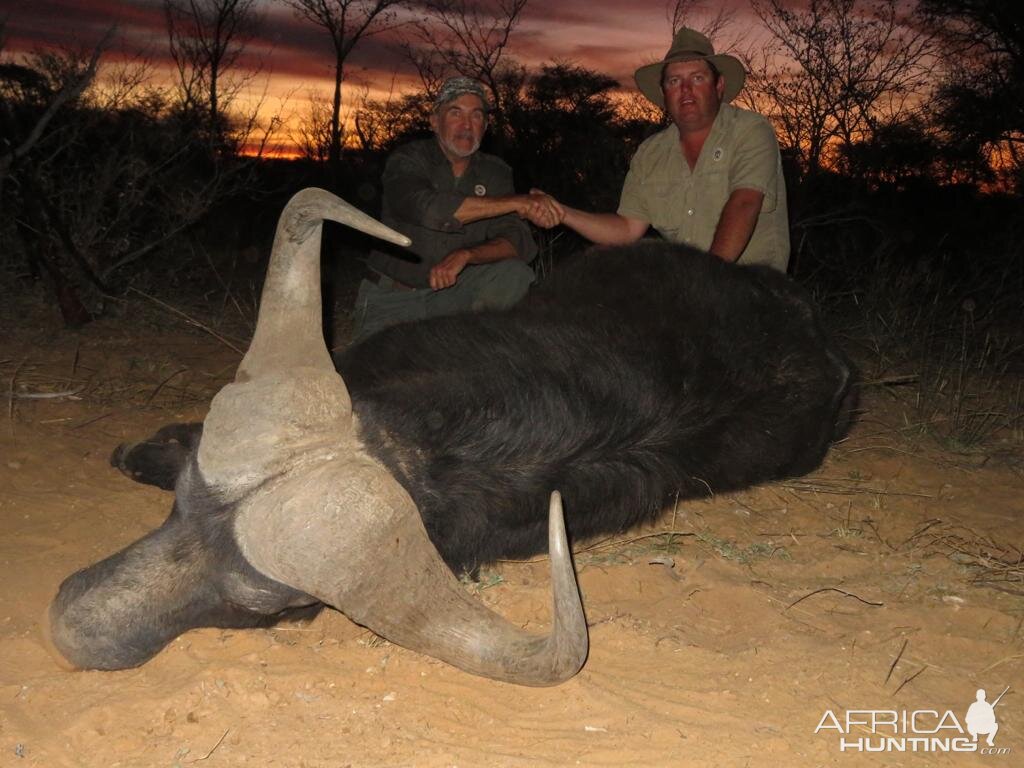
421,195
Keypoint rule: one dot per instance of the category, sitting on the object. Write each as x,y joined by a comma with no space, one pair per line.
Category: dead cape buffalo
631,376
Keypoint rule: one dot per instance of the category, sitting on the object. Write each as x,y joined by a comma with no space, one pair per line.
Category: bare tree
837,70
206,38
312,134
980,102
346,22
110,177
468,38
382,123
684,13
68,92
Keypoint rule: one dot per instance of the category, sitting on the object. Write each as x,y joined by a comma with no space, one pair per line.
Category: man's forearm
736,224
497,249
446,273
604,228
478,208
537,208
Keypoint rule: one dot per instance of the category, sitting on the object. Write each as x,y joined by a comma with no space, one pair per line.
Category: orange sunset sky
293,56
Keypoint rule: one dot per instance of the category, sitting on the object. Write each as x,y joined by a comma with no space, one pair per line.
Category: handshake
540,209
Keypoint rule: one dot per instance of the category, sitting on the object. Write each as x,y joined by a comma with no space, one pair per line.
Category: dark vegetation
907,224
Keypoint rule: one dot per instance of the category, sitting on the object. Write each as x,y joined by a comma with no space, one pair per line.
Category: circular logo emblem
718,154
479,190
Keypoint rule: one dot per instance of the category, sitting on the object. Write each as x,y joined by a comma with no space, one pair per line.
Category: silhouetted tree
313,132
470,38
980,105
206,38
382,124
346,23
565,140
104,175
836,70
901,155
709,18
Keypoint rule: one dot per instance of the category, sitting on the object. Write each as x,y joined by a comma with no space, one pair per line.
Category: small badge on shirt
479,190
718,154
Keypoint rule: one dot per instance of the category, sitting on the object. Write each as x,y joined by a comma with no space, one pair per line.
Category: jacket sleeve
411,195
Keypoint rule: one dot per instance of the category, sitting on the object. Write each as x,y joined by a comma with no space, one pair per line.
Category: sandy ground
721,644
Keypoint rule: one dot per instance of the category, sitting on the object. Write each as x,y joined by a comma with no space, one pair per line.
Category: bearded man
471,247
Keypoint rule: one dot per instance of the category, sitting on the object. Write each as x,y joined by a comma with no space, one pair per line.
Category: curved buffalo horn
394,582
286,395
288,331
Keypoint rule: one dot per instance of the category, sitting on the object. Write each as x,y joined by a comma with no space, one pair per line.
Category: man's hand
445,273
541,209
601,228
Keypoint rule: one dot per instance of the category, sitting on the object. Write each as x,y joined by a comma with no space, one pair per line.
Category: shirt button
690,212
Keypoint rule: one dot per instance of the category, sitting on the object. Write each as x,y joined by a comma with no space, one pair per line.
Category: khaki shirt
421,195
741,152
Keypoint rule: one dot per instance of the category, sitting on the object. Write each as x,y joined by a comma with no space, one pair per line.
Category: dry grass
986,561
153,384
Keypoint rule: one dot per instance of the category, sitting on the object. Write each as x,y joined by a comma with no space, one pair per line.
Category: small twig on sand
896,661
1002,661
46,395
891,381
843,488
921,530
605,543
160,386
833,589
214,747
91,421
910,679
190,320
10,395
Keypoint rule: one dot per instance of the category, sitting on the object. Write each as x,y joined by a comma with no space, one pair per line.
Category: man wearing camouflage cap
470,247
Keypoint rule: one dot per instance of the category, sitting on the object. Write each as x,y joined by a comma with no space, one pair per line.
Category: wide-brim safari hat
688,45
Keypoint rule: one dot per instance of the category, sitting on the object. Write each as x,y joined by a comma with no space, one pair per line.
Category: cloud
47,24
293,55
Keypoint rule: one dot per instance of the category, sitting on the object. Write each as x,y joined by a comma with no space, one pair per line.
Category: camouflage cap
454,87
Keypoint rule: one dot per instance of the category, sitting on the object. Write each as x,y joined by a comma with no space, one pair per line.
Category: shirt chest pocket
666,205
688,209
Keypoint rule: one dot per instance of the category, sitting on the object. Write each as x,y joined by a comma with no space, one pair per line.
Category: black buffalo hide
630,377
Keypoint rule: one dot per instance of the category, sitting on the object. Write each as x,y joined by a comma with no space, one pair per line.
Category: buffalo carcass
631,377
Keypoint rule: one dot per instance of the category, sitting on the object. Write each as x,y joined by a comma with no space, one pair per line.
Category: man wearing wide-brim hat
712,179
